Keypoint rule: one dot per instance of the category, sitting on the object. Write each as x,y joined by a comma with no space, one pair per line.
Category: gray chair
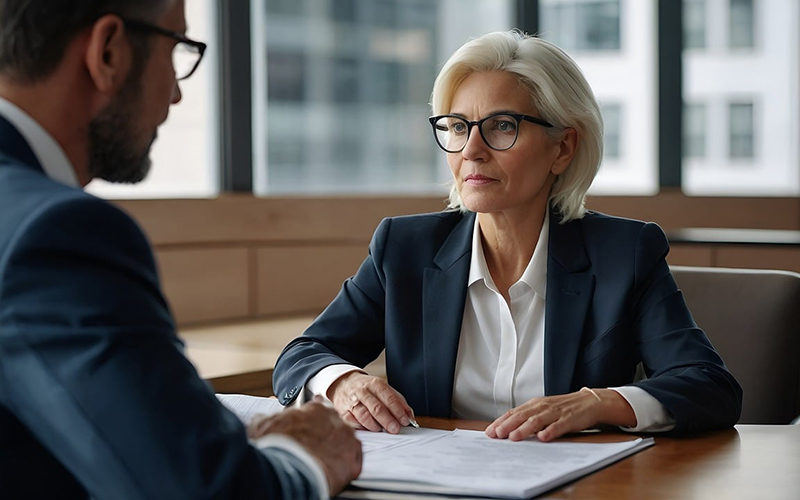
753,319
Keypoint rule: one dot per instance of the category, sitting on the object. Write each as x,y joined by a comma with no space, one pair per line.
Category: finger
363,416
396,404
380,412
512,420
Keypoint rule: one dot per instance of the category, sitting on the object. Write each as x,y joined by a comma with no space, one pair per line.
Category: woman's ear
566,150
108,54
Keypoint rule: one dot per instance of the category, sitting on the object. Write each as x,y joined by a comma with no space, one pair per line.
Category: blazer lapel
443,296
570,282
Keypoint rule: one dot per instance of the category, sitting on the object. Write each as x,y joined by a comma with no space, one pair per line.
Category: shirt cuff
319,384
651,415
312,471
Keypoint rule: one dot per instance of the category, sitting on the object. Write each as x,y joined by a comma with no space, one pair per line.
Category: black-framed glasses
499,131
186,55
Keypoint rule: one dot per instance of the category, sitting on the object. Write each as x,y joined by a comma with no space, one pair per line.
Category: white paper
465,462
247,407
459,462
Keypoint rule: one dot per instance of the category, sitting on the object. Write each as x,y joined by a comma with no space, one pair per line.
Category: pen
413,421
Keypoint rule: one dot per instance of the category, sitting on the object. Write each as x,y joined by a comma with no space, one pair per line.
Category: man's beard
114,154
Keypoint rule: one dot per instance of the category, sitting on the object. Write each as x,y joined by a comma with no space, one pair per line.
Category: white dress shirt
500,362
56,166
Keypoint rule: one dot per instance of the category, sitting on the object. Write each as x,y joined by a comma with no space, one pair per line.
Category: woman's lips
477,180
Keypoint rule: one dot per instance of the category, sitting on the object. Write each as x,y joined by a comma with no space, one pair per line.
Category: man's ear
567,147
108,54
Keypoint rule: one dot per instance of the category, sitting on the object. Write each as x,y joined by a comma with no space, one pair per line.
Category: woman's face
502,181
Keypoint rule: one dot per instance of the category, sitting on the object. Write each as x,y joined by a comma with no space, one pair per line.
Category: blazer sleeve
349,331
683,370
92,366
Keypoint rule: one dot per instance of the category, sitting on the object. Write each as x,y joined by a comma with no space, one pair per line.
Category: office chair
752,317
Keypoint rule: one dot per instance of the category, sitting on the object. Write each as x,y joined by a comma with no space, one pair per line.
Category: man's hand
323,434
553,416
368,402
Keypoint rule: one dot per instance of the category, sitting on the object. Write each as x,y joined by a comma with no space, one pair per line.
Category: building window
582,24
742,24
347,89
694,24
740,121
612,121
694,130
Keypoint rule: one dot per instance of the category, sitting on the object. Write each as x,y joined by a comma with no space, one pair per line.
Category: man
96,397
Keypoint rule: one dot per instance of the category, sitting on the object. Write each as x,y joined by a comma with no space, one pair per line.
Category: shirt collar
51,156
535,274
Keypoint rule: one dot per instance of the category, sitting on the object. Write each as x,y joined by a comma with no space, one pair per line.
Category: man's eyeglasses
499,131
186,55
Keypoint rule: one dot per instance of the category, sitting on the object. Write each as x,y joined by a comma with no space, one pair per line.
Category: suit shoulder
425,221
616,226
44,212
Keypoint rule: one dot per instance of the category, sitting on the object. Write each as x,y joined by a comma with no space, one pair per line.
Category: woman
516,305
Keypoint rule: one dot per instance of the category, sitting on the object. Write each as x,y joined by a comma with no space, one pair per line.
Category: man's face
122,134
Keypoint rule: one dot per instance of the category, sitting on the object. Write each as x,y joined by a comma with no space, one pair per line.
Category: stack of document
462,462
468,463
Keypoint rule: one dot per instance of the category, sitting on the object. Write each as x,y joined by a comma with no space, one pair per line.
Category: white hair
558,91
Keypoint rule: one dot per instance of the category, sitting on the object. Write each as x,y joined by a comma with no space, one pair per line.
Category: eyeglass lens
184,59
499,132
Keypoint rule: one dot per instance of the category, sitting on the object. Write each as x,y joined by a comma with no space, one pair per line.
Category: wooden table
746,462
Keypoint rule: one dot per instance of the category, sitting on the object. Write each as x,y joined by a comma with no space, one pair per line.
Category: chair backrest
753,319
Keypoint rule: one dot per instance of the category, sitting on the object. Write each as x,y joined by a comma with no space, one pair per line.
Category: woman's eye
505,126
458,128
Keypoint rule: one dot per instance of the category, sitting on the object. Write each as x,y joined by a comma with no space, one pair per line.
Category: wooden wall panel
243,257
690,255
754,257
295,279
206,284
245,218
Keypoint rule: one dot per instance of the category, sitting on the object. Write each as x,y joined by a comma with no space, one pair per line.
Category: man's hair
558,91
34,33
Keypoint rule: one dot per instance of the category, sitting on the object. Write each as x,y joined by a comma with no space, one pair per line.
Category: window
578,25
612,120
621,70
694,130
750,114
694,24
740,123
341,91
185,155
742,24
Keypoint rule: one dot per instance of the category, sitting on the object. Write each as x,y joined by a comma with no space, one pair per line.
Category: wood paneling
242,257
296,279
244,218
674,210
691,255
205,284
755,257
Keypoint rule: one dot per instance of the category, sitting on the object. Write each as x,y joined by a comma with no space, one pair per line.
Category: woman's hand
553,416
368,402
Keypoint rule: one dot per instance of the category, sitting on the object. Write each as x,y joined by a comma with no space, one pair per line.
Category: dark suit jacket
96,396
611,303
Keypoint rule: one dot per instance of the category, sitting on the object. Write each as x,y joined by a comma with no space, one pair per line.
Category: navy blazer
96,396
611,304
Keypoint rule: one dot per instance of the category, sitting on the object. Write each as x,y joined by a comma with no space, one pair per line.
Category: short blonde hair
559,92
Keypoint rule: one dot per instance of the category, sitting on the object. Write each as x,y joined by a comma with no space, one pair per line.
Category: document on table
246,407
460,462
468,463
